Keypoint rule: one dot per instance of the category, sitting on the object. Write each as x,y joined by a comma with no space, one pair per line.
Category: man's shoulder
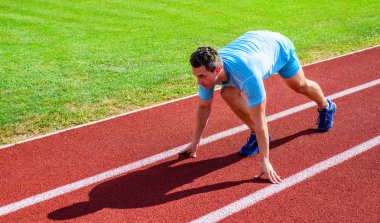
240,62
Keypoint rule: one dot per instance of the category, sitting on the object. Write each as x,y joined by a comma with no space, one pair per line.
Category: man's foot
251,147
326,117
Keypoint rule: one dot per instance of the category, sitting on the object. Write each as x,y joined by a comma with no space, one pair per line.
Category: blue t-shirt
249,60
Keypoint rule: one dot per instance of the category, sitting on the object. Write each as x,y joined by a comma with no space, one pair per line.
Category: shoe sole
249,154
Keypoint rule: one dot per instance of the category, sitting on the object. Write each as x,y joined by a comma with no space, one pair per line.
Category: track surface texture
64,176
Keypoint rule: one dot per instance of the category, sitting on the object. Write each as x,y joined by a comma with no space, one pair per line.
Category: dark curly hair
206,56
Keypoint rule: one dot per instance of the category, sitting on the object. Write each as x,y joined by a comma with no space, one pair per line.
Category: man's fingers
259,175
277,177
191,152
273,177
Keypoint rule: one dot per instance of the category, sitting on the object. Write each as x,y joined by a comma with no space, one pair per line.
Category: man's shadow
153,186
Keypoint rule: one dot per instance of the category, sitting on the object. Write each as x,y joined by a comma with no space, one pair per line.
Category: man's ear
218,69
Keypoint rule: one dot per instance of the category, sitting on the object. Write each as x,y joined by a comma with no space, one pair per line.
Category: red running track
177,189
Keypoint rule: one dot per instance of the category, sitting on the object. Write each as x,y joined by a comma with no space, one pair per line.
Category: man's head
206,65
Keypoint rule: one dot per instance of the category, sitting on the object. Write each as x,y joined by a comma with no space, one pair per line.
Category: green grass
64,63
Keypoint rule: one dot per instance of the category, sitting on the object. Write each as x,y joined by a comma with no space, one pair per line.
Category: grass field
63,63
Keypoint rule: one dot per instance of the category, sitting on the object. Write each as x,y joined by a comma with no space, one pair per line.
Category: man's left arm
262,136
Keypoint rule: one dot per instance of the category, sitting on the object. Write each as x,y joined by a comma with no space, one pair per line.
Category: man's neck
222,77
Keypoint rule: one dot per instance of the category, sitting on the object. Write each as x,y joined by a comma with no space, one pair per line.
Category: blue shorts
290,68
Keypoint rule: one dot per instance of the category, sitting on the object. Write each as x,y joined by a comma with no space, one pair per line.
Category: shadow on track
278,142
152,186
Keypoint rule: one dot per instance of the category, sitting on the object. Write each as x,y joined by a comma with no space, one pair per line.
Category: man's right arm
202,114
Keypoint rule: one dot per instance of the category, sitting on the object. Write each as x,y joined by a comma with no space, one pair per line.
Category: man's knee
228,93
298,82
301,88
224,93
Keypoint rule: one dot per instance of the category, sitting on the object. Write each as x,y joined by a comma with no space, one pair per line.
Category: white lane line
158,105
152,159
287,182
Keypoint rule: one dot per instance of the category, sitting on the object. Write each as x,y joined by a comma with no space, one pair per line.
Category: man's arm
262,136
202,114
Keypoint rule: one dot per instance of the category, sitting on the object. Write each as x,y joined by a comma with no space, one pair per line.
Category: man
241,66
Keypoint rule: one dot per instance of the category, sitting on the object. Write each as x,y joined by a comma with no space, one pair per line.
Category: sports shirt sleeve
205,94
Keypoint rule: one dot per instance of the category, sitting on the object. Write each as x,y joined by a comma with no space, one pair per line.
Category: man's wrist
264,159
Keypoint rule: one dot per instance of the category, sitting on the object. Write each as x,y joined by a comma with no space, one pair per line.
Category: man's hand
267,169
192,149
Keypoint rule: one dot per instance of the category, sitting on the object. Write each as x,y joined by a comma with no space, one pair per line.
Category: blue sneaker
251,147
326,117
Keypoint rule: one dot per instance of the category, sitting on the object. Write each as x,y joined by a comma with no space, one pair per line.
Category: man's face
204,77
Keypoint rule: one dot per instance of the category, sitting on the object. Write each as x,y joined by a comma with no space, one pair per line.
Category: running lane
346,193
180,190
83,152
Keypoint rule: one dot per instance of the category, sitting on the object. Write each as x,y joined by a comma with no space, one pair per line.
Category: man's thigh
297,81
230,93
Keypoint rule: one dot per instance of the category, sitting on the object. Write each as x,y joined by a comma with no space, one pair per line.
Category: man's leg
232,96
239,106
326,108
309,88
